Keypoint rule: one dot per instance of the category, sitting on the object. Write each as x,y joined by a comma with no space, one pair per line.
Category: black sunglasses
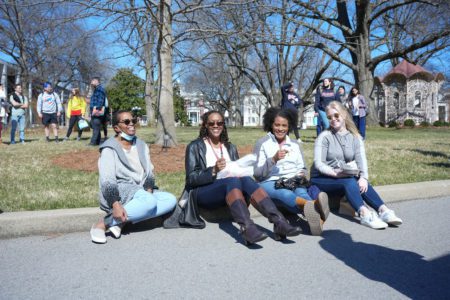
212,123
128,121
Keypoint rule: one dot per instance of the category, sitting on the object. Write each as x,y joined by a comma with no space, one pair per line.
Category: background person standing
290,100
324,95
358,106
18,113
49,109
97,109
75,111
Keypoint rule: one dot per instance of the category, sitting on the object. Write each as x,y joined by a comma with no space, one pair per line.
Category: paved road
348,261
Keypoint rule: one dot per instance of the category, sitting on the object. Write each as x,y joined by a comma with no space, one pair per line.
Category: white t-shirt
355,109
213,154
133,158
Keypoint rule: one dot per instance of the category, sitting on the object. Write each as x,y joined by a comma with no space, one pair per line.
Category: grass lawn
30,181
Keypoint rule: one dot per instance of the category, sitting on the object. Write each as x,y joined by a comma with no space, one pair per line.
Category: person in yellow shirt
75,111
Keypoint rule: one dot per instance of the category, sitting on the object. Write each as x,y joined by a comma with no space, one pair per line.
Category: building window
397,101
432,101
193,116
418,100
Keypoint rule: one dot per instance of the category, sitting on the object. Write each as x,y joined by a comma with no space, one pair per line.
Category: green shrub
424,124
438,123
392,124
409,123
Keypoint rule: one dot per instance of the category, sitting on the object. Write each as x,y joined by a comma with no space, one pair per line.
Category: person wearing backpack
19,104
49,109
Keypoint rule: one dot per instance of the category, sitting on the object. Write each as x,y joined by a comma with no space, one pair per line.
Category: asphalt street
348,262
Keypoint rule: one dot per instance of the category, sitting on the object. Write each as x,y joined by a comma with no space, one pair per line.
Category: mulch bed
165,161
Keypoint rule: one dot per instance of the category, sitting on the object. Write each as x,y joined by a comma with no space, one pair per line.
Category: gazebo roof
408,70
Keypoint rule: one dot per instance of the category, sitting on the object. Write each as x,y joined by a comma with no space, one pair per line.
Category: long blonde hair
349,124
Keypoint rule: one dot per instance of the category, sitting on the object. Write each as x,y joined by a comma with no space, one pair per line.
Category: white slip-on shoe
372,220
116,231
98,235
389,217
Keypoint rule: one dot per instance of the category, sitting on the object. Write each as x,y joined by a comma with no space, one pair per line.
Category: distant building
409,91
252,108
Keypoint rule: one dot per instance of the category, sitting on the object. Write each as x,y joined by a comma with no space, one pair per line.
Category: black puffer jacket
197,174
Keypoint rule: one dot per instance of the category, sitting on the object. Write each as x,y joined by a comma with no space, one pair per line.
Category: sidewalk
62,221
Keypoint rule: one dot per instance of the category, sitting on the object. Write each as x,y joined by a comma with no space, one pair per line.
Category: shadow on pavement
405,271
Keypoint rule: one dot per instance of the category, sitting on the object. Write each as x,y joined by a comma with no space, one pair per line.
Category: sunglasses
128,121
218,123
333,116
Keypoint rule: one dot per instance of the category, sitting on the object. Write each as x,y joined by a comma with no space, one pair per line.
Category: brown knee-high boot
281,228
239,210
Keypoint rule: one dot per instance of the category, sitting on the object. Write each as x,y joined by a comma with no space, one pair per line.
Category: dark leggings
1,126
213,195
73,120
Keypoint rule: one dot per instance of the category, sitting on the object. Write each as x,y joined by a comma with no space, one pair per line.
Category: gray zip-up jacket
330,147
118,180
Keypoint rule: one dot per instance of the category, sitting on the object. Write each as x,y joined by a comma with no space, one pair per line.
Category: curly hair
204,131
273,112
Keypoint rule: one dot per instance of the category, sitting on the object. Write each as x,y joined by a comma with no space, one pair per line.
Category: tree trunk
165,133
149,96
364,78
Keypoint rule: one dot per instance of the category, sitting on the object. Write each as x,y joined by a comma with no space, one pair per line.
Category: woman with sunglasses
280,158
340,166
127,186
208,155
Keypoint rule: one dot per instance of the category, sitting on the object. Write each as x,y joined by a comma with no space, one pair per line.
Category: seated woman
127,181
335,151
208,155
280,158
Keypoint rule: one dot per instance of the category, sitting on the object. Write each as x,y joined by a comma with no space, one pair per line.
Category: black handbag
292,183
186,216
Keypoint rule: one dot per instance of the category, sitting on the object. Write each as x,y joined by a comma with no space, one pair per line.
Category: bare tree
362,37
258,40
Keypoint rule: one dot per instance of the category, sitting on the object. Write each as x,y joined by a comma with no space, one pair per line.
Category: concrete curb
59,221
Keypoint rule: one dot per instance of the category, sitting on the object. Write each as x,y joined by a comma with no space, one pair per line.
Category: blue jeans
20,120
213,195
284,197
323,120
97,125
349,187
360,123
145,205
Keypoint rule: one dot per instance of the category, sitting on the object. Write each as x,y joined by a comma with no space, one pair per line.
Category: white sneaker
116,231
389,217
299,140
98,235
372,220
